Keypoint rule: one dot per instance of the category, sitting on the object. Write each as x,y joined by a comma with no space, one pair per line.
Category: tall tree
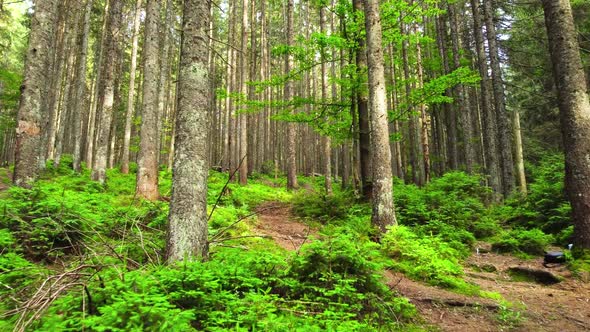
574,107
383,208
242,118
81,86
131,95
147,159
30,110
291,133
187,228
504,125
489,119
326,141
105,115
362,104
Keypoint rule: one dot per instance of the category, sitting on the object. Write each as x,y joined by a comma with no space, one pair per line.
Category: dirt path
564,306
561,307
276,220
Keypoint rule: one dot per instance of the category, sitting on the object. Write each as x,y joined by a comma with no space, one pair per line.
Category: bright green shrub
321,207
425,258
342,276
531,242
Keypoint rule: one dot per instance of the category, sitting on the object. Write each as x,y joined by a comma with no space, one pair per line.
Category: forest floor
564,306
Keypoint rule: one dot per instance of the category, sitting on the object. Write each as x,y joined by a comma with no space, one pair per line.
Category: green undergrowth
100,250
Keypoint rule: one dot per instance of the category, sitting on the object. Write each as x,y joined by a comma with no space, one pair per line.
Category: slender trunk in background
364,122
131,95
460,92
519,156
227,166
383,209
147,159
187,221
106,110
422,130
243,118
326,142
504,125
68,96
98,90
290,139
164,60
28,130
574,109
449,110
490,128
81,87
415,141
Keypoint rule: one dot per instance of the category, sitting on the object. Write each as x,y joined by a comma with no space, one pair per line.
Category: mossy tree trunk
574,108
187,229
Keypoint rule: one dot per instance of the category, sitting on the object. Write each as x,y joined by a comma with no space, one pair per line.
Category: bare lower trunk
290,139
574,108
504,125
364,122
106,110
147,159
28,130
81,87
187,228
490,128
383,208
131,95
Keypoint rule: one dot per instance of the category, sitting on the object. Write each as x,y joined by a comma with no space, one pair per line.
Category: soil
564,306
275,220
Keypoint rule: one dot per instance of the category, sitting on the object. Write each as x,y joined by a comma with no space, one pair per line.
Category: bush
532,242
426,258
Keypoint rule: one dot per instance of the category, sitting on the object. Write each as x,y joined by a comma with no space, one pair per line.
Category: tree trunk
187,229
28,131
290,139
242,118
106,110
460,93
574,108
490,128
147,159
131,95
81,87
325,140
383,208
364,124
504,126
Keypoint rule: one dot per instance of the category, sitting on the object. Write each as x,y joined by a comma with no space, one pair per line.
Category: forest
294,165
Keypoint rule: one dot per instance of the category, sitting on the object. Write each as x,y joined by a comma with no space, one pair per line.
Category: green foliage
342,276
532,242
321,207
426,258
239,290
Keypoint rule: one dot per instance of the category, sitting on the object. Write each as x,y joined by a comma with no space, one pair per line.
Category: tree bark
131,95
242,118
187,228
574,108
504,126
81,87
106,110
28,131
364,122
383,208
291,134
488,117
147,159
